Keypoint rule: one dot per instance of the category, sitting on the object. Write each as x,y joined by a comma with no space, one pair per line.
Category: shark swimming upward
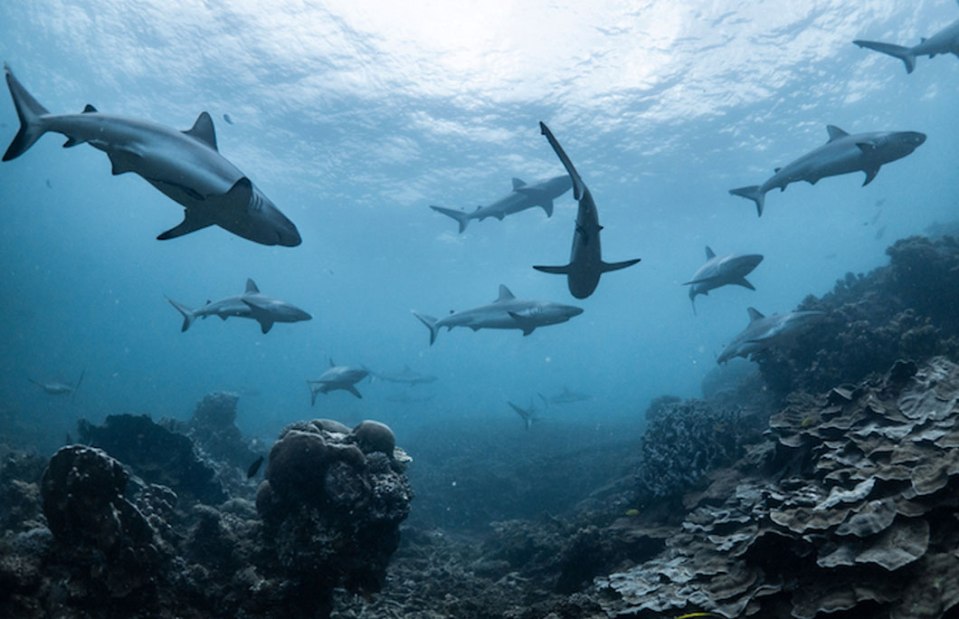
842,154
186,166
523,197
764,332
586,256
506,312
946,41
251,304
721,271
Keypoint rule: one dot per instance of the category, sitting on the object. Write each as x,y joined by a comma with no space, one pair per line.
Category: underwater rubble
142,528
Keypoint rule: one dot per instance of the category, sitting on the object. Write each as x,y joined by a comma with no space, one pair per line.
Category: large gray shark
842,154
769,331
720,271
506,312
251,304
406,375
523,197
565,397
586,257
185,165
946,41
59,388
342,377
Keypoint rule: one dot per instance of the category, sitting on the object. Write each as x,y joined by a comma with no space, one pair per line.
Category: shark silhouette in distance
768,332
842,154
946,41
721,271
506,312
186,166
586,258
407,375
523,197
251,304
565,397
528,415
59,388
337,377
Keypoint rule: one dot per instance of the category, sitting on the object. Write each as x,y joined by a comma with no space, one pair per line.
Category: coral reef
855,513
213,428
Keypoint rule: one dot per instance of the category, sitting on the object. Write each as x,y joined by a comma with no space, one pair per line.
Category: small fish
698,615
254,468
632,512
227,118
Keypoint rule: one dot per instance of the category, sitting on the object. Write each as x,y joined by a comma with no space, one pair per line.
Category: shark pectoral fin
564,270
191,223
615,266
524,323
744,283
122,161
870,174
71,142
354,391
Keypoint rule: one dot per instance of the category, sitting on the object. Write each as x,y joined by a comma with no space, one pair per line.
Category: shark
565,397
841,154
59,388
586,263
342,377
764,332
528,415
522,197
721,271
406,375
506,312
251,304
946,41
186,166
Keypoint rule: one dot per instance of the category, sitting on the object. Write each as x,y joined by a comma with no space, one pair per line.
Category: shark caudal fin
461,217
30,113
188,315
430,323
896,51
753,193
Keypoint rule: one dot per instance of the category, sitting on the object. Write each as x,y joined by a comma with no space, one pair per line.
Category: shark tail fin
896,51
461,217
754,193
188,315
30,113
430,323
615,266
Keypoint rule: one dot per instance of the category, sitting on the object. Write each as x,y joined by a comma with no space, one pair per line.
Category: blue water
353,117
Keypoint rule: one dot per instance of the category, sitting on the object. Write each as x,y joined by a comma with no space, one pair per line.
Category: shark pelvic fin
203,131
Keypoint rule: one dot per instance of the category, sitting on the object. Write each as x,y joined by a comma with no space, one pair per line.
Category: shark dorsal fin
776,170
89,109
202,130
504,294
754,314
835,132
517,183
710,254
251,286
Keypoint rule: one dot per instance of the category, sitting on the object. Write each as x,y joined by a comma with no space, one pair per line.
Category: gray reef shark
406,375
185,165
769,331
58,388
720,271
342,377
506,312
251,304
586,257
528,415
565,397
523,197
946,41
842,154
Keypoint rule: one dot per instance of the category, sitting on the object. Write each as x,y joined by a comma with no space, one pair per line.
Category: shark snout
571,311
